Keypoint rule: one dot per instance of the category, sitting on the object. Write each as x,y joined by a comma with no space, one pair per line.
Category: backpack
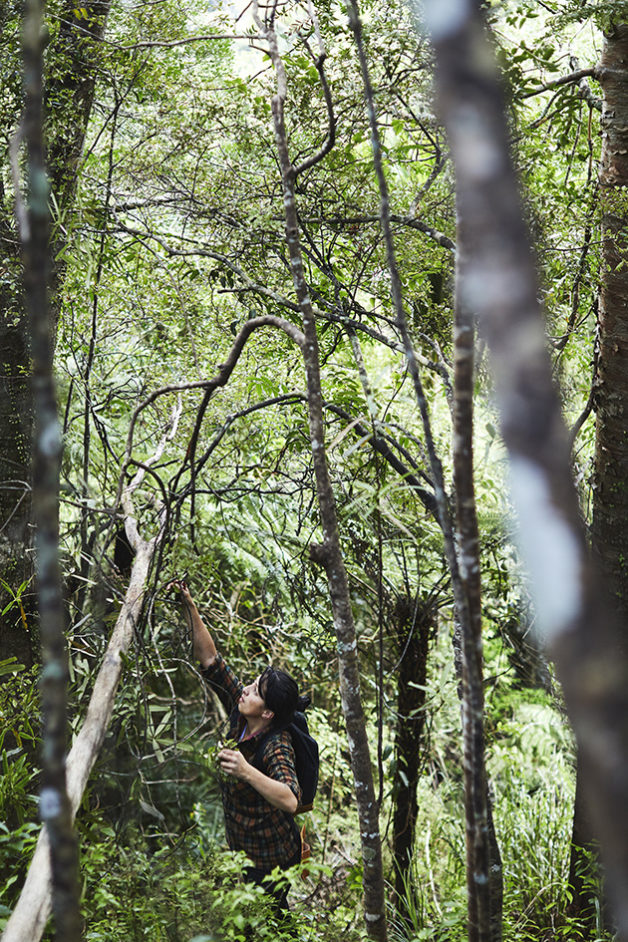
305,759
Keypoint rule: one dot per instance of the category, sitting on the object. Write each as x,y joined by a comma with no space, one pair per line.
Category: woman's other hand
233,763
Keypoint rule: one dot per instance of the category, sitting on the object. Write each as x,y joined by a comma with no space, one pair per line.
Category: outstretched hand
180,586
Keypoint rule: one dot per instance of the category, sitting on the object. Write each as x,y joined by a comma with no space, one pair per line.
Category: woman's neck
254,726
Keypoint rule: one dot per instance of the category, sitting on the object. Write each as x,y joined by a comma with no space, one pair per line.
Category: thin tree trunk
482,848
54,805
329,554
581,633
413,625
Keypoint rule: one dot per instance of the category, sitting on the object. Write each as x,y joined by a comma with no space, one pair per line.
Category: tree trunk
329,554
609,529
484,897
483,855
15,389
413,625
54,805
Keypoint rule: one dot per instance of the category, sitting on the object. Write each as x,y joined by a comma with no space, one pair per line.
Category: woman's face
251,703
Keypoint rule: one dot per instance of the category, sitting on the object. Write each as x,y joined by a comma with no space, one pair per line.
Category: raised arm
202,641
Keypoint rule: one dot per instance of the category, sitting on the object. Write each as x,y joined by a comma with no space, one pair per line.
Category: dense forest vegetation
269,322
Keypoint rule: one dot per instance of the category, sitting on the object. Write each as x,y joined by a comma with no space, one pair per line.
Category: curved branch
331,135
285,399
226,369
209,385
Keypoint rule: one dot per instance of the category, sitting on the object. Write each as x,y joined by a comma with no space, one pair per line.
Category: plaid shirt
268,835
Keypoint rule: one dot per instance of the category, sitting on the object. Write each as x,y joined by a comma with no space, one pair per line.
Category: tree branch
564,80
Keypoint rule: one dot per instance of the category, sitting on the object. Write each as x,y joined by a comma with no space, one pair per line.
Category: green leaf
10,665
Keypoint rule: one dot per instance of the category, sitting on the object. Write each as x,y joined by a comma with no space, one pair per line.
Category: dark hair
281,695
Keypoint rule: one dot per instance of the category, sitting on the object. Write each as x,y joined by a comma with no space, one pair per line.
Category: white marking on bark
550,549
345,647
480,158
441,17
49,804
50,439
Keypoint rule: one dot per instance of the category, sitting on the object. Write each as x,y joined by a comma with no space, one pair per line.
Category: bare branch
563,80
224,372
571,79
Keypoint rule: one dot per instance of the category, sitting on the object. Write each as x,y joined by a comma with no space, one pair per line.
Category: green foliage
171,892
19,707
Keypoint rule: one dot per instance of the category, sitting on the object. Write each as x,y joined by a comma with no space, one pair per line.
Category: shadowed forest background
269,382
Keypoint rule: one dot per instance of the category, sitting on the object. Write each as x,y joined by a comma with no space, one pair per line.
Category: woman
259,806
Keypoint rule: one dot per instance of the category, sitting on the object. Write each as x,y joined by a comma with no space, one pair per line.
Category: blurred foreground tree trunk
70,82
609,530
580,627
